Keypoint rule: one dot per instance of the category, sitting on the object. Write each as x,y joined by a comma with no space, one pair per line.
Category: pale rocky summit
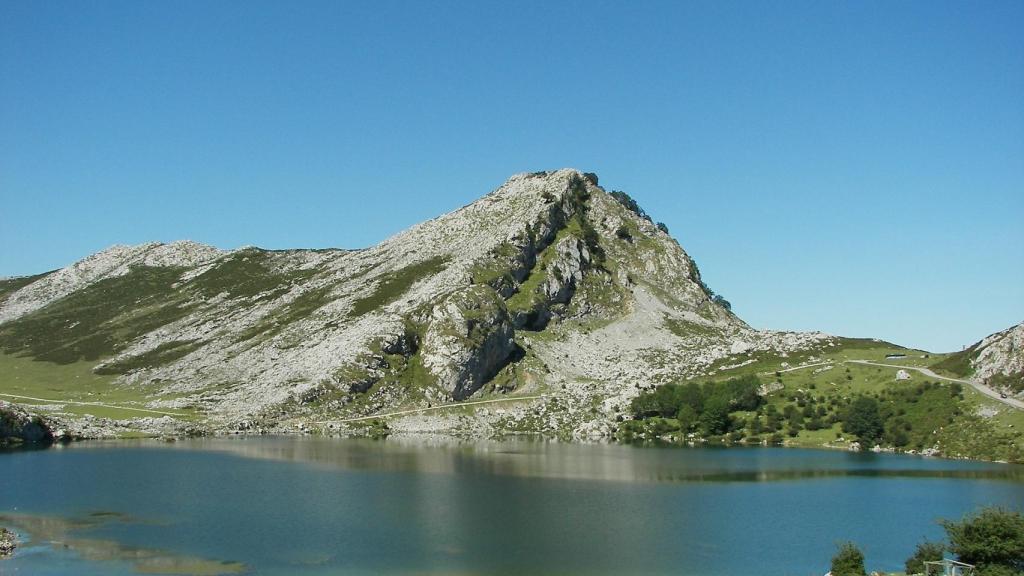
112,262
1000,355
547,288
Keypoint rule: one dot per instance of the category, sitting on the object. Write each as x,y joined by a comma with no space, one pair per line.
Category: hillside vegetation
820,399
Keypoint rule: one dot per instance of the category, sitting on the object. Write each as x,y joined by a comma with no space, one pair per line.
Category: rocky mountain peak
547,285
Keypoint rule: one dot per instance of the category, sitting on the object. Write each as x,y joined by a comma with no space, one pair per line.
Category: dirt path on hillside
100,404
430,409
976,385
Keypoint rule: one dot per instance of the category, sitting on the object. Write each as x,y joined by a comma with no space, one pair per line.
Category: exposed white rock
110,263
1000,353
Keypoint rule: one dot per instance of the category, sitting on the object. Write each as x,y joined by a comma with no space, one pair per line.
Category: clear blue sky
851,167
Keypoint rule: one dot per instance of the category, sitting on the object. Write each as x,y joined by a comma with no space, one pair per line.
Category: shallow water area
325,506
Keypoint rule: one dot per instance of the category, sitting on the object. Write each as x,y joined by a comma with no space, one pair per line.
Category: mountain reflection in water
608,462
306,506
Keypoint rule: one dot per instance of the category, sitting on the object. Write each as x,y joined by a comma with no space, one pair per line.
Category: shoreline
441,437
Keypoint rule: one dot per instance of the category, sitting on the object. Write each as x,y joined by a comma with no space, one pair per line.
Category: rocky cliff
548,289
997,360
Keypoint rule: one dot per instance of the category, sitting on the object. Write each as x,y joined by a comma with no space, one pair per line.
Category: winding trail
438,407
91,404
929,373
801,367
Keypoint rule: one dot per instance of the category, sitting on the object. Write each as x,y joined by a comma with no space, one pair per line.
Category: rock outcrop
469,339
17,425
998,360
1000,353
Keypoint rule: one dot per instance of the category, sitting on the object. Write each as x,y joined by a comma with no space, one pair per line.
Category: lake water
309,506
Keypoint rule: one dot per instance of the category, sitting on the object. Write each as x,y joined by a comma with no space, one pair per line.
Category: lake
315,506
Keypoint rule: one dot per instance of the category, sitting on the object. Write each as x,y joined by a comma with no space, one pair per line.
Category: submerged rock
8,542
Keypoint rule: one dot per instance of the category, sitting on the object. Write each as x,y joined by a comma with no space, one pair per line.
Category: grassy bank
812,397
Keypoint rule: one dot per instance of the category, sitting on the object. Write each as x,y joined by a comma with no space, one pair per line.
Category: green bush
627,201
988,539
925,552
848,561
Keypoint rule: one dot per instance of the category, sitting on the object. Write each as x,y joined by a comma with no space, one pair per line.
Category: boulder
18,425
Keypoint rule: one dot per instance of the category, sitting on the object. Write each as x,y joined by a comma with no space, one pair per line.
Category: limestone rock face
570,262
469,339
1001,353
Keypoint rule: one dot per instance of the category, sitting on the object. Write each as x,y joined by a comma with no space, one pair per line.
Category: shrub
848,561
627,201
721,301
926,551
993,537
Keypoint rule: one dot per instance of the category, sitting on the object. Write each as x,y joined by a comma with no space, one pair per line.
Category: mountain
550,296
997,360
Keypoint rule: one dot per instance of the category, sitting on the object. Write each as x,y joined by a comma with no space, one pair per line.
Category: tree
668,397
688,418
848,561
721,301
644,405
692,395
863,420
926,551
715,418
988,539
743,392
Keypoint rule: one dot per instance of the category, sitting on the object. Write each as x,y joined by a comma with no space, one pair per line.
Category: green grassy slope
924,413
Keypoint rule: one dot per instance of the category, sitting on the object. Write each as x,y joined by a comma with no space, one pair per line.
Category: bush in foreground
848,561
925,552
992,539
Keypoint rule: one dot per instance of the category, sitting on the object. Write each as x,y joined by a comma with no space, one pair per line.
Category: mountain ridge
548,284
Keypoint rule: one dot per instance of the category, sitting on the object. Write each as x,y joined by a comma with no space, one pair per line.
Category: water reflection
74,535
317,507
616,463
